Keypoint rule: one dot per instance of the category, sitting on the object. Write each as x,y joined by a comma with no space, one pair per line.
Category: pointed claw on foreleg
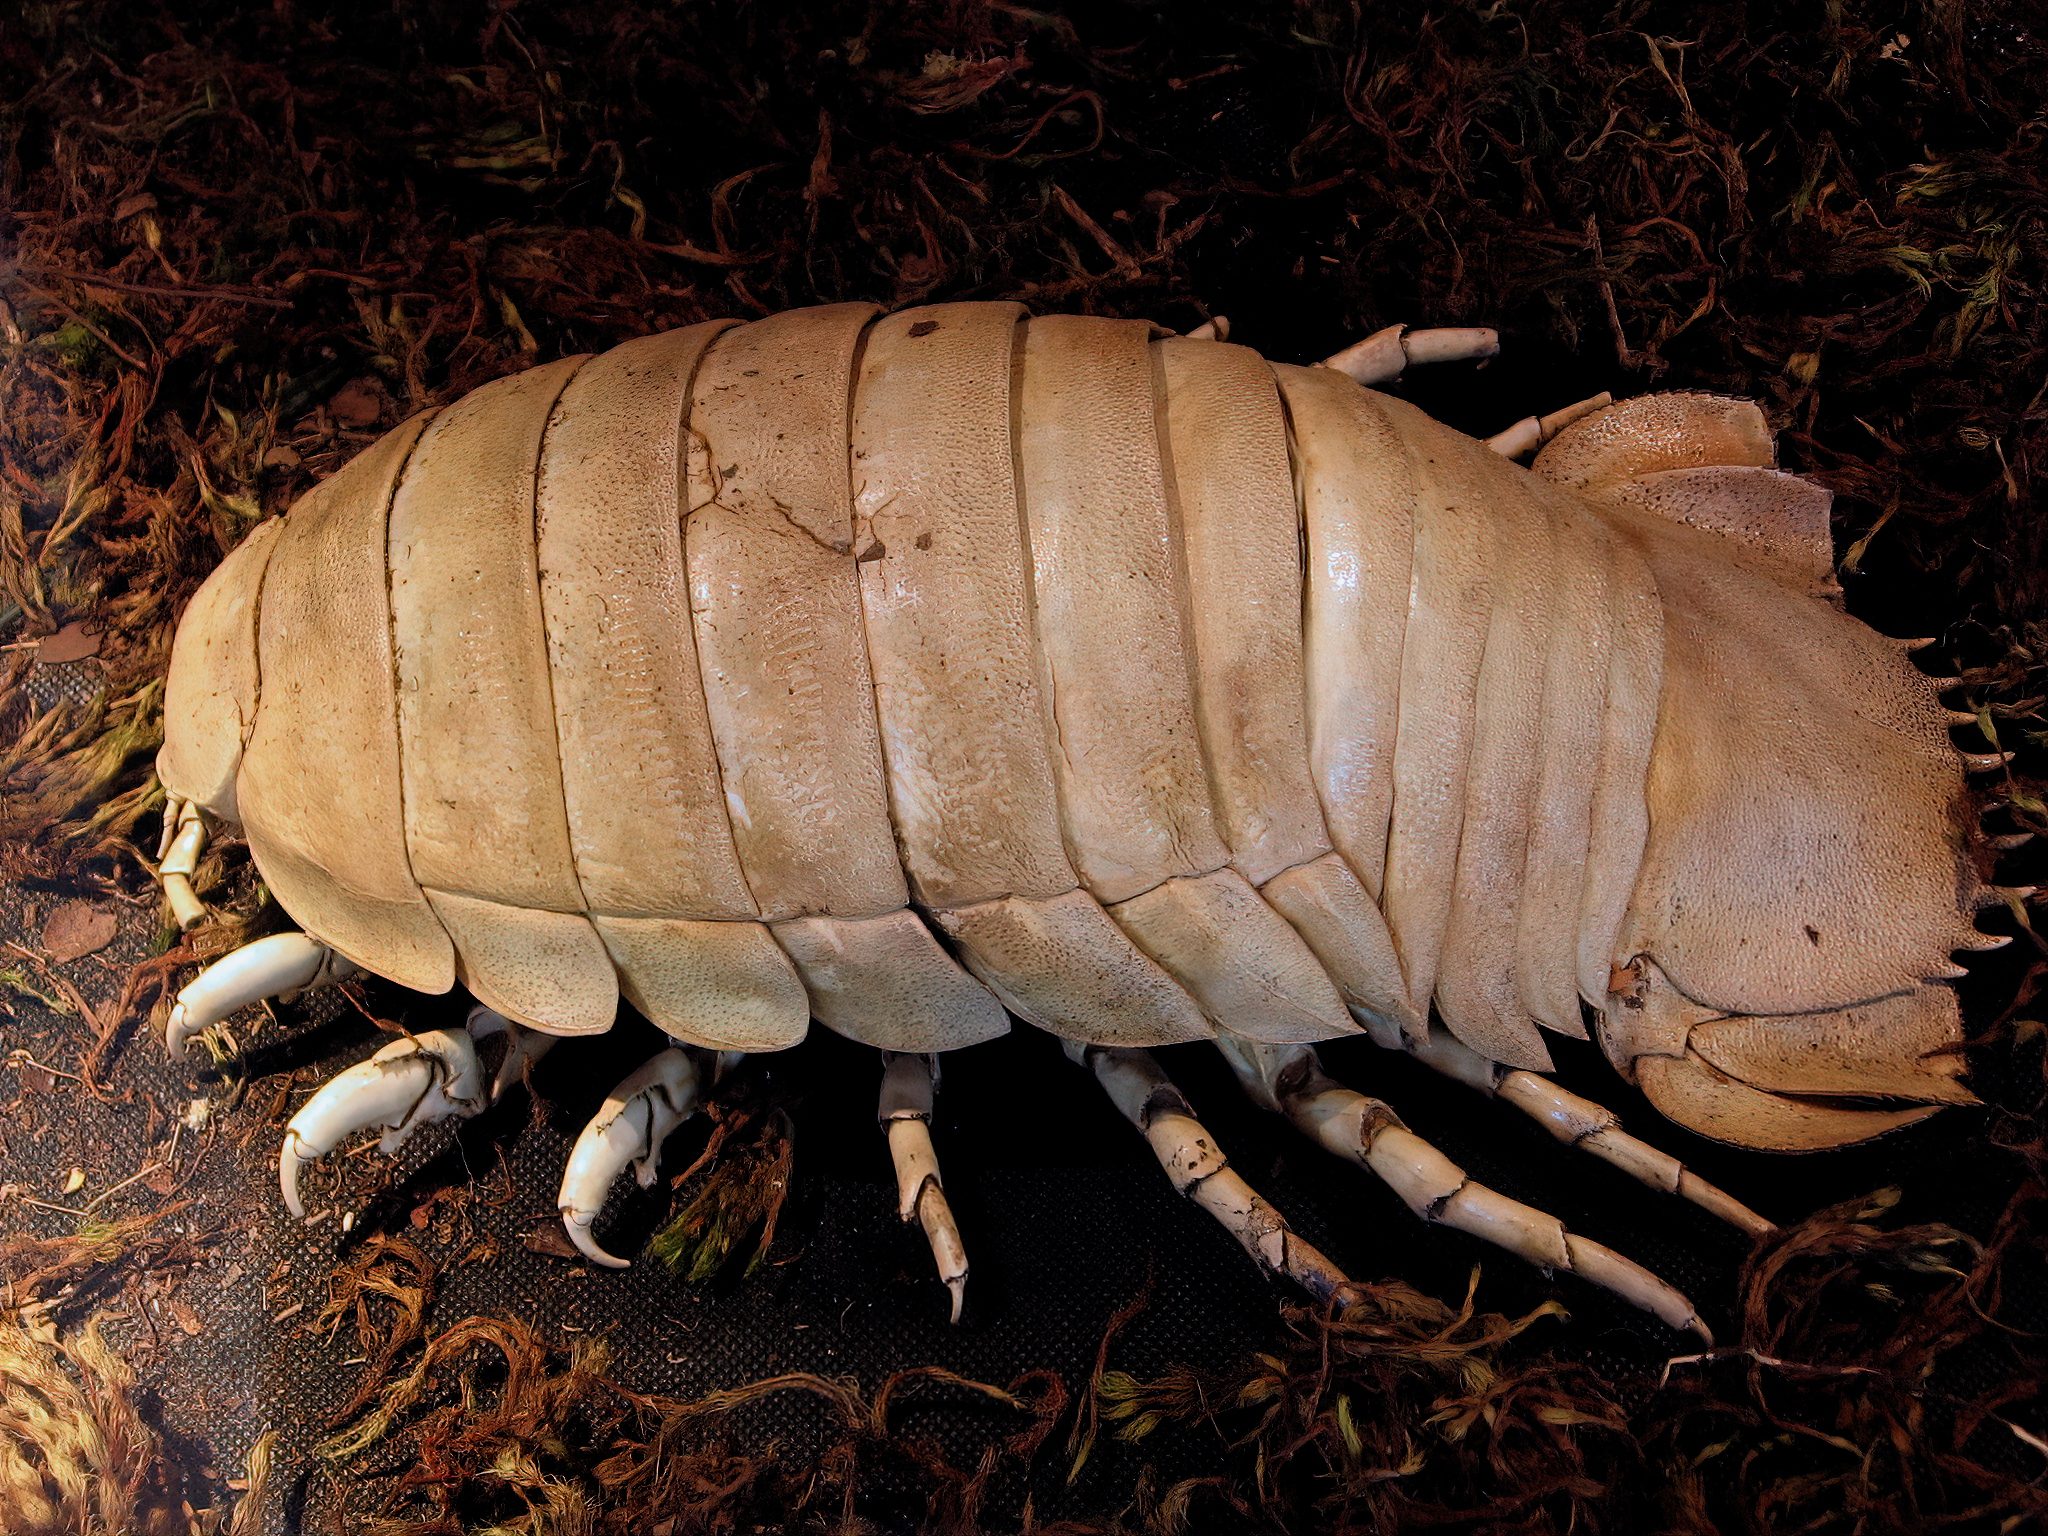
1365,1131
277,966
905,1113
409,1083
628,1130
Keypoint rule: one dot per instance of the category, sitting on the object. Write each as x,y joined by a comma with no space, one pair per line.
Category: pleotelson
901,671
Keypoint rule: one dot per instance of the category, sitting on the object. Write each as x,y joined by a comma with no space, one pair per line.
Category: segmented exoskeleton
912,672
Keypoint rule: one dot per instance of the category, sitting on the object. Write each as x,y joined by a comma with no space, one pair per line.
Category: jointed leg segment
281,965
1149,1100
184,839
1290,1080
523,1046
1385,355
905,1113
1532,432
1581,1123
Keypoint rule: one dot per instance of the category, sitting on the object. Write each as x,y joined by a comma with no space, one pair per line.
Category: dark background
309,221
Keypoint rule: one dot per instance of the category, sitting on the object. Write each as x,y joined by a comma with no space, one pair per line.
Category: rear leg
1578,1122
1290,1080
1198,1169
905,1113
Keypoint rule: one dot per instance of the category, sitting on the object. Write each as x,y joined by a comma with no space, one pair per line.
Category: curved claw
276,966
408,1083
635,1119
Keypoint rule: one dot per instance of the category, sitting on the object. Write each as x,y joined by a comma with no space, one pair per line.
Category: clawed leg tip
288,1165
905,1110
277,966
578,1228
408,1083
627,1132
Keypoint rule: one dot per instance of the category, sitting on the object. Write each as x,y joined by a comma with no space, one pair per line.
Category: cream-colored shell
909,672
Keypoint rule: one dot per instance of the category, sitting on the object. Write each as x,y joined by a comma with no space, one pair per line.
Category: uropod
919,673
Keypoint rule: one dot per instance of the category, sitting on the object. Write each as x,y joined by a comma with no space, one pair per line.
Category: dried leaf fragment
78,928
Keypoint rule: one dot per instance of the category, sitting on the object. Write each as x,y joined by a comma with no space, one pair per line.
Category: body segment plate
946,596
775,601
485,820
640,777
322,799
1110,606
